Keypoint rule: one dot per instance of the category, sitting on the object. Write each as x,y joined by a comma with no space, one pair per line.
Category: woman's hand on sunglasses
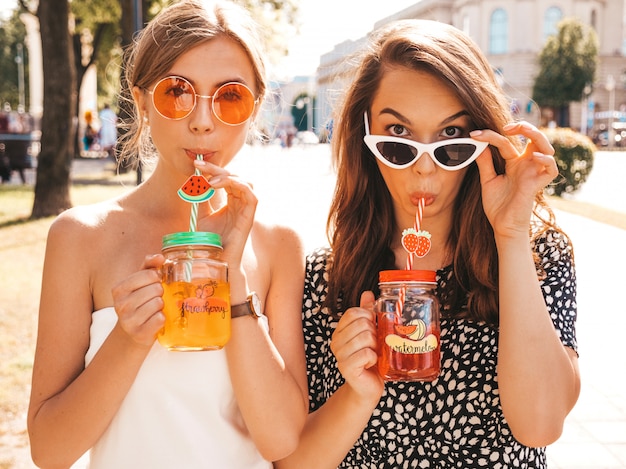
508,198
236,217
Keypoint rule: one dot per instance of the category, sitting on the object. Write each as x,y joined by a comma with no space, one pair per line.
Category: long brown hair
361,222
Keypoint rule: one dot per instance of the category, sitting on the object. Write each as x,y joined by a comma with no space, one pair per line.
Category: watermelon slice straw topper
195,190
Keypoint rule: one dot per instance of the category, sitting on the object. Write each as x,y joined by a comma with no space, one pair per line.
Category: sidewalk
594,436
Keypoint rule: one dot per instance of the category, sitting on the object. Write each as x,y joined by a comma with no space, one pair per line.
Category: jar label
411,338
203,303
197,315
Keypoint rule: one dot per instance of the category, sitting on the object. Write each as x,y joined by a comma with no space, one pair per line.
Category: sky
324,23
6,6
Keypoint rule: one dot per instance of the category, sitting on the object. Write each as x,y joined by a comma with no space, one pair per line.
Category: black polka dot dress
455,421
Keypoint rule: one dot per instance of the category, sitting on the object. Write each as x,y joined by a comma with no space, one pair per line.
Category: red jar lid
429,276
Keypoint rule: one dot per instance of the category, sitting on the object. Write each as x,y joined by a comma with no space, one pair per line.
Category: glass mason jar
196,292
408,327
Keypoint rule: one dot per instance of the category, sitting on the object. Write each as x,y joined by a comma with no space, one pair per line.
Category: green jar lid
192,238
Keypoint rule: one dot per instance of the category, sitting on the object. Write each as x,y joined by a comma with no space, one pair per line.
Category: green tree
52,194
567,63
278,20
12,33
96,26
70,41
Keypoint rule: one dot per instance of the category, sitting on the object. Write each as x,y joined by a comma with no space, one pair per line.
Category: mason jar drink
408,328
196,292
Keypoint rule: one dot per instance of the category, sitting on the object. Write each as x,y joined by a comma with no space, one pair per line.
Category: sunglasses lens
454,154
396,152
233,103
174,97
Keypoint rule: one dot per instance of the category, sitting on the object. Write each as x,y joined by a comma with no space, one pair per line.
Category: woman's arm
331,431
538,376
71,405
268,369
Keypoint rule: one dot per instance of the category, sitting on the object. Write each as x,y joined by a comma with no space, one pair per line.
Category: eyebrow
404,120
216,86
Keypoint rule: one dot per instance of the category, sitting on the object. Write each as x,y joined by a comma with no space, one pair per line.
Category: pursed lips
416,196
193,154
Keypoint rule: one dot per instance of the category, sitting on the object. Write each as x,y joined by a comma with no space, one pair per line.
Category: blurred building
512,33
287,102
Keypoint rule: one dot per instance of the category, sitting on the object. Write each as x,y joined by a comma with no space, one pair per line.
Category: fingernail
476,133
215,180
200,163
508,126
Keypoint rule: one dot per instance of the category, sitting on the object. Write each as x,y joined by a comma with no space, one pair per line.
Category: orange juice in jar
196,293
408,328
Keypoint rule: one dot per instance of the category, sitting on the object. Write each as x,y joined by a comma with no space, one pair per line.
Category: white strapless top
179,413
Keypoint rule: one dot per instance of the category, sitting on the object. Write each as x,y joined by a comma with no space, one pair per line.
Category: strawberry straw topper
416,241
195,190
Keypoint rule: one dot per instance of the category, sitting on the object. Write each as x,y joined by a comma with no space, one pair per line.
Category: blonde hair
174,31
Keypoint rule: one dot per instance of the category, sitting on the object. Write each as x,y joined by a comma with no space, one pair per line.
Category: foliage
91,13
574,154
567,63
12,32
278,20
97,30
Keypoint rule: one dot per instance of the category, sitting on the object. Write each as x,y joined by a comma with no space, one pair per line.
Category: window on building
498,32
594,19
551,20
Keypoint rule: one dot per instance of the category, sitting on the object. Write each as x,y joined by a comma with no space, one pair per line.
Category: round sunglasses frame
429,148
197,95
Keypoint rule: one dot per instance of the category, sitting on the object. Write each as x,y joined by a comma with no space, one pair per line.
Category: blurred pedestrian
5,166
89,134
17,144
107,135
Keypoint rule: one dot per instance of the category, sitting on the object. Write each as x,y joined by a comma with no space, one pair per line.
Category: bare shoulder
80,224
277,274
278,239
277,258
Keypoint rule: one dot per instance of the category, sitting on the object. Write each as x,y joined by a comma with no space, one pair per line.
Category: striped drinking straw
417,226
193,222
193,219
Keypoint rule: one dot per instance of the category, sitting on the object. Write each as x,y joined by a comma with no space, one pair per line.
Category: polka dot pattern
455,421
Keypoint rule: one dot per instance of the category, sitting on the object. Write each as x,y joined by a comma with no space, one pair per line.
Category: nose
202,118
424,164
